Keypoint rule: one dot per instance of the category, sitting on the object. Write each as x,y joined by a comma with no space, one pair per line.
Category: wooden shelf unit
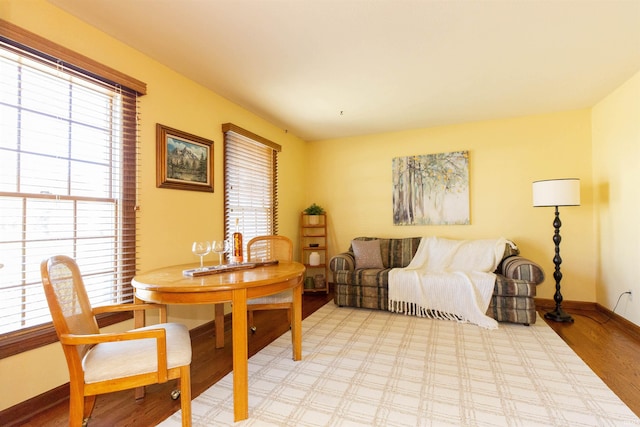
312,233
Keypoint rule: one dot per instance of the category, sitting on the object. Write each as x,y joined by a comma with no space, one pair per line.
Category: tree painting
431,189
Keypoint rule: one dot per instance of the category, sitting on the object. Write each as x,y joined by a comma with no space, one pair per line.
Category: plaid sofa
513,294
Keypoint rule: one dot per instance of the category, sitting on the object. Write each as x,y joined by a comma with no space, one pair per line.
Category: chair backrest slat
67,299
268,248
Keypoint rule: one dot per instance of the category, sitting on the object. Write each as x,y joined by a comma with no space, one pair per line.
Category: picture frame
431,189
183,161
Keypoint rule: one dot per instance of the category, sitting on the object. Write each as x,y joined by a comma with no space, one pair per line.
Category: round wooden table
168,285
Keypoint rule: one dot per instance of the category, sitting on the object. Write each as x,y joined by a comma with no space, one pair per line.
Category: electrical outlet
630,295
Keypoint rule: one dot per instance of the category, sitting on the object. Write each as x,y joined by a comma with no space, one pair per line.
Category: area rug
364,367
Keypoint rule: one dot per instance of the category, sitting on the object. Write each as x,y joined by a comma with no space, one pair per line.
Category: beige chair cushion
280,297
124,358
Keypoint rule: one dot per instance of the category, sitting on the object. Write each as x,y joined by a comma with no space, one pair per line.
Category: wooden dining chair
269,248
101,363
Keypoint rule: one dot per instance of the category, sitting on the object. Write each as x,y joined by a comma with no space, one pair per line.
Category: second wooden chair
268,248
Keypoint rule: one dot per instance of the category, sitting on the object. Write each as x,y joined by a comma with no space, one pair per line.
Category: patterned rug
374,368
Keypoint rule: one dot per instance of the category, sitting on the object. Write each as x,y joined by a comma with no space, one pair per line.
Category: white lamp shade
557,192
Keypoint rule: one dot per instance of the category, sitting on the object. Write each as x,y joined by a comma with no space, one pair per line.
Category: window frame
15,342
233,132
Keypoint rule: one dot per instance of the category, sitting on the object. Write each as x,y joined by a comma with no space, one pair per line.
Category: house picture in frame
183,161
431,189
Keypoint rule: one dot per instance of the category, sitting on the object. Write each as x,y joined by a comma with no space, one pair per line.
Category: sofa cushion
398,253
367,253
395,252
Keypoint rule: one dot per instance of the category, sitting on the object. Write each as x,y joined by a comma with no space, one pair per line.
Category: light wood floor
612,353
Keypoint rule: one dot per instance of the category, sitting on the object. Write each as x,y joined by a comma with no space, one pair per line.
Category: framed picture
431,189
183,161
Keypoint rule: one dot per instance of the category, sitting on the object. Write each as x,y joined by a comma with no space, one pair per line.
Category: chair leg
76,407
185,395
251,325
89,403
139,393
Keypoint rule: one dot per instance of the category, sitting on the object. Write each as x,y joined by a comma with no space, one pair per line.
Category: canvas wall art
431,189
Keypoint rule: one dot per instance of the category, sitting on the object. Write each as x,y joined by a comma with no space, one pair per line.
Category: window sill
31,338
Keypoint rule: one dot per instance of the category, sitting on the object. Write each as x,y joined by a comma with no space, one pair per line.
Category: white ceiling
331,68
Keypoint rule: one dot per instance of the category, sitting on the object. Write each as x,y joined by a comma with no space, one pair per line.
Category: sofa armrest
521,268
343,261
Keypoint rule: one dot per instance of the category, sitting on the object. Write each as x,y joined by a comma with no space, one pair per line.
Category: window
250,183
68,143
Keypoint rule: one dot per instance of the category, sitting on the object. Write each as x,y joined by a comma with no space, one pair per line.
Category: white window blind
68,145
251,183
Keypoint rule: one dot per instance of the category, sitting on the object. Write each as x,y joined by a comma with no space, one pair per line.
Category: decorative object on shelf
313,211
314,259
311,245
183,161
318,279
309,283
555,193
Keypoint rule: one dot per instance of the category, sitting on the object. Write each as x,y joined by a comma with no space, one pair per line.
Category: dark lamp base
559,315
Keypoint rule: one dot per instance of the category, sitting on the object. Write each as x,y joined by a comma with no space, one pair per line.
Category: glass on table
201,249
219,247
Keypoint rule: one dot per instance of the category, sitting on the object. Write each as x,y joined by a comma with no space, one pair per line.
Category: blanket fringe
413,309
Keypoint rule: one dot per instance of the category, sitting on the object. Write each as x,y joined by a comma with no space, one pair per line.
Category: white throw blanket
448,279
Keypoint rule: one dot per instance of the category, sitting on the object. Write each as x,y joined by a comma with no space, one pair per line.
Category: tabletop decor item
197,272
219,247
236,245
201,249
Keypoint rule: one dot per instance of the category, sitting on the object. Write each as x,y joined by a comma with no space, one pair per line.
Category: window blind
68,149
250,183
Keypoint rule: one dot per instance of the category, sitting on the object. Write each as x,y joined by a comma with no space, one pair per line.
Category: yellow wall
616,175
505,157
169,220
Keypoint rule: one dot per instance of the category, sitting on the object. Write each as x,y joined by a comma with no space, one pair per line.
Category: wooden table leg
240,355
296,322
219,325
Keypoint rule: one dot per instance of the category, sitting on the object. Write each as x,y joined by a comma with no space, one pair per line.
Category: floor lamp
557,192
